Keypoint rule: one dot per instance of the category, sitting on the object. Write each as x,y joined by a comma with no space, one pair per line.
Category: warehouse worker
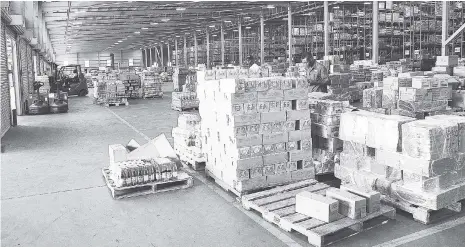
316,74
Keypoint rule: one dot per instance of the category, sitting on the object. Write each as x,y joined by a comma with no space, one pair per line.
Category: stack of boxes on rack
256,131
373,97
325,115
187,138
421,162
132,84
151,85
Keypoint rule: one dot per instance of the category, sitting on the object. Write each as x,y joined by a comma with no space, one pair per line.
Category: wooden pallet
421,214
222,184
176,108
195,165
117,104
181,182
278,206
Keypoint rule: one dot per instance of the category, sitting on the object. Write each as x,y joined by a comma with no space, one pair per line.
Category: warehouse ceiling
91,26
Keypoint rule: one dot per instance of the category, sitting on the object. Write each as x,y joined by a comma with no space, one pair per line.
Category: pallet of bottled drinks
137,178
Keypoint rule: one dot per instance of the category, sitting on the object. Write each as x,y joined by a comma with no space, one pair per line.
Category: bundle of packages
373,98
445,65
112,90
132,83
256,131
151,85
45,80
427,94
419,162
139,172
184,100
325,115
187,137
340,84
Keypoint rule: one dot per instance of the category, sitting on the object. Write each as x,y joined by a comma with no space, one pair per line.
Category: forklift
72,80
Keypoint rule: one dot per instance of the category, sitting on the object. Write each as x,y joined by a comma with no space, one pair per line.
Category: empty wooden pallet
277,206
181,182
424,215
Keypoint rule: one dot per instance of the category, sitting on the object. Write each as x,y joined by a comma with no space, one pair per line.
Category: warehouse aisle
53,193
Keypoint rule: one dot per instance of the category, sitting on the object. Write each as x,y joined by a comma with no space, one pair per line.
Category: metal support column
326,27
262,40
185,52
176,52
375,45
240,42
169,54
196,54
222,45
445,30
150,58
289,30
208,48
161,56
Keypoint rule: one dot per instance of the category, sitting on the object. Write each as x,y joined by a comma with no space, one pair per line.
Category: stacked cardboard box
373,97
325,116
187,137
419,162
151,85
256,131
111,90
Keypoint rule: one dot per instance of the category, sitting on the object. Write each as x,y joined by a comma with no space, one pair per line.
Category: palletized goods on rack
412,162
179,78
151,85
256,131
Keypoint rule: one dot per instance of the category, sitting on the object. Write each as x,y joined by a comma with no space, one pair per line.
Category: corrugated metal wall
30,69
100,59
5,85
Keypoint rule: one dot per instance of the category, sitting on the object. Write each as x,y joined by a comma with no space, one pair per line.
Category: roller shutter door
24,71
30,68
5,85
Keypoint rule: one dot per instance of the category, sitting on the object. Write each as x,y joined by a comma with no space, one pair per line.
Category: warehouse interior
240,123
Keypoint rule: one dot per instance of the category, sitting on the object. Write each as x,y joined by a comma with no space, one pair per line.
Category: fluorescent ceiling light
177,36
235,30
137,32
198,30
270,6
180,8
145,28
116,43
165,19
120,41
212,26
366,3
336,7
248,27
214,35
227,21
154,23
247,17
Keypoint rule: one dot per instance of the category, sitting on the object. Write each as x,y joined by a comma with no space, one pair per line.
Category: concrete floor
53,194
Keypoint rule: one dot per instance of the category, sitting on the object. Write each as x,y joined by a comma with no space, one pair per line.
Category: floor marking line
129,125
423,233
267,226
53,192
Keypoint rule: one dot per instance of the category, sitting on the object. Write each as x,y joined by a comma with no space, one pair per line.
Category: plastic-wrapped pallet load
256,131
418,162
151,85
325,116
187,138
